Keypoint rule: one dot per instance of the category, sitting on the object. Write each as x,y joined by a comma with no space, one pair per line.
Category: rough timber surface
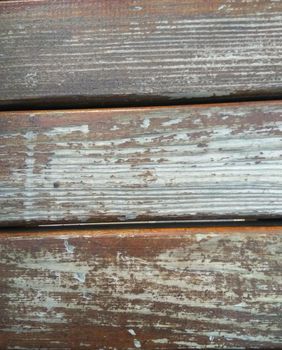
188,162
142,289
138,51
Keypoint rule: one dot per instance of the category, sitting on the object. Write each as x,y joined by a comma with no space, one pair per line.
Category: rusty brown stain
158,288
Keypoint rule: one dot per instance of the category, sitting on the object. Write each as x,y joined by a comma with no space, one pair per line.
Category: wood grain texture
142,289
117,52
209,161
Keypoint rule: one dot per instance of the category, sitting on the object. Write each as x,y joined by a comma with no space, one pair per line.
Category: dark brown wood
204,161
142,289
94,52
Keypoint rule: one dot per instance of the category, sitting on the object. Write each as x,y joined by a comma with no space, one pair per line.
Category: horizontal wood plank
208,161
94,52
142,289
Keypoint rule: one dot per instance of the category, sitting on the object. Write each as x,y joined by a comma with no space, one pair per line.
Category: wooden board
209,161
96,53
142,289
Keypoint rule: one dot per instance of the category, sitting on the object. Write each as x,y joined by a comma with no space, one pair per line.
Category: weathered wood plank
134,51
149,289
209,161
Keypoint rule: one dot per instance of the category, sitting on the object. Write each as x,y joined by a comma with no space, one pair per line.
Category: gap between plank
132,101
146,225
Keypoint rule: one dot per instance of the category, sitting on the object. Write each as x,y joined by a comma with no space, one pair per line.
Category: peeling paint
132,332
226,282
215,167
146,123
69,248
67,130
80,276
137,343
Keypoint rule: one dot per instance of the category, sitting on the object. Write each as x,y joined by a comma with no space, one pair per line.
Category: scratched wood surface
142,289
118,52
189,162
